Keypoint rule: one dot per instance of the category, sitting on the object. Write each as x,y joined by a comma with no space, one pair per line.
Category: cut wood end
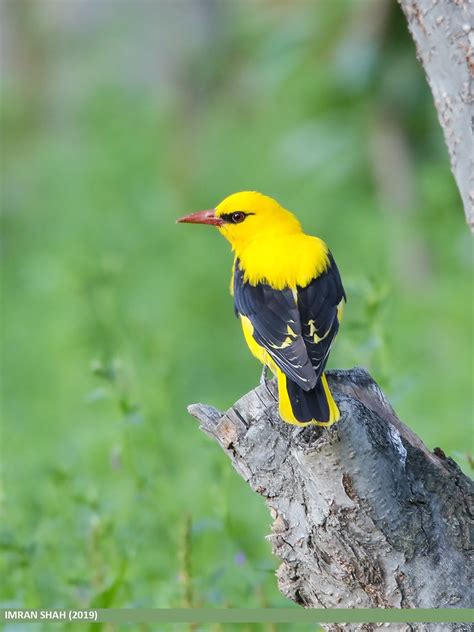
207,415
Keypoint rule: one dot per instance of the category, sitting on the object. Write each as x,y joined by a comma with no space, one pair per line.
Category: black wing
276,327
318,305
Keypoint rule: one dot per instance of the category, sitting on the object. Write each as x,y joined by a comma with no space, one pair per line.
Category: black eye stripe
229,219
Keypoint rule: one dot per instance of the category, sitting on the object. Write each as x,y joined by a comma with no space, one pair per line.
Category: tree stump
364,515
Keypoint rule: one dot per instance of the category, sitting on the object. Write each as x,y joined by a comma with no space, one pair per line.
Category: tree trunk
364,514
443,31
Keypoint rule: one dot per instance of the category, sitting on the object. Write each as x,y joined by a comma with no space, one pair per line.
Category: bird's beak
202,217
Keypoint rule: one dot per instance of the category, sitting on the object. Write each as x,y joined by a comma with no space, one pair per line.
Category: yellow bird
289,298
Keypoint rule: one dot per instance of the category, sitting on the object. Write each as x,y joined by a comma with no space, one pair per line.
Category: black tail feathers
316,406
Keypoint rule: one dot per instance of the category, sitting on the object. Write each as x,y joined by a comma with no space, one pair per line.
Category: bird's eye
238,217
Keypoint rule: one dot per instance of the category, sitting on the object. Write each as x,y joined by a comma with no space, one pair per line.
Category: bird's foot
264,378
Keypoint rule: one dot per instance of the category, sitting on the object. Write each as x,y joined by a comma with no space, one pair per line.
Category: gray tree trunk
364,514
443,31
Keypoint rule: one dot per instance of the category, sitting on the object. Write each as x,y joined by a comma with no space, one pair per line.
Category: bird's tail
302,408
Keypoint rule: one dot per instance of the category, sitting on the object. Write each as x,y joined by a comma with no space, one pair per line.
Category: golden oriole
289,297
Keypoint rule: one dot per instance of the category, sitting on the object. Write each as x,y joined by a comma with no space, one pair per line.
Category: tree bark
364,514
443,31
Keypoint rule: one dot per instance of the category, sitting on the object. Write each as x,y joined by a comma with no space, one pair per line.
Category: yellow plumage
289,297
273,248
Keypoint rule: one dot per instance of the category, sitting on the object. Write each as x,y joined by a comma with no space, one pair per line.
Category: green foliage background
115,318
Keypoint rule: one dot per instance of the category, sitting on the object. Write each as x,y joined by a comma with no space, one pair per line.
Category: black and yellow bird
289,297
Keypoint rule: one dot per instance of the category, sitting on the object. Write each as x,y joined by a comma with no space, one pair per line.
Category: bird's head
247,216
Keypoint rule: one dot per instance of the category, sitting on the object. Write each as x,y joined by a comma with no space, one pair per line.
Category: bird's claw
264,378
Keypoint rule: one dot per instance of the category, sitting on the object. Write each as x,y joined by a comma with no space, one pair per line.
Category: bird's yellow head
247,216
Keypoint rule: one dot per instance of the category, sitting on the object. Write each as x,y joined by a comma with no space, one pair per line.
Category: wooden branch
443,31
364,514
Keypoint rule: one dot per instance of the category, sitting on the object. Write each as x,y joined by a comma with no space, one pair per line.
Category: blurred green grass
115,318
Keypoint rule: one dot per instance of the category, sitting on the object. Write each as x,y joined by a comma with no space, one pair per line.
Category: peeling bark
443,31
364,514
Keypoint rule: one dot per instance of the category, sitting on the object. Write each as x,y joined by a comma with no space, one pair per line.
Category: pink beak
202,217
